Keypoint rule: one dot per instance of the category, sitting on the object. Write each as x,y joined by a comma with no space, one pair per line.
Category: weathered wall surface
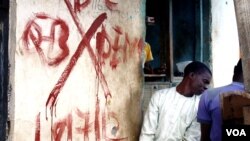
225,42
243,24
77,70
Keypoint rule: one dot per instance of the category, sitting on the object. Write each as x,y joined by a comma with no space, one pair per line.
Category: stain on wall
77,70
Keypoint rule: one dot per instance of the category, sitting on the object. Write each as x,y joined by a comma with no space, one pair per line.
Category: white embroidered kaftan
171,117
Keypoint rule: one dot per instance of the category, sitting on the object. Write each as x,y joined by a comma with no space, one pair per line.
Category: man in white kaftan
171,113
177,121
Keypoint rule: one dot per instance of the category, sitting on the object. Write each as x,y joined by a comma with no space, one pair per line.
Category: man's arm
150,121
193,132
204,117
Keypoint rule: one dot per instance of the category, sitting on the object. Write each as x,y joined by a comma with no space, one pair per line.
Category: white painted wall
225,44
34,80
99,99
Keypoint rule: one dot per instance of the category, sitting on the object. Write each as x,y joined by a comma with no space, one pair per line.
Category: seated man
171,113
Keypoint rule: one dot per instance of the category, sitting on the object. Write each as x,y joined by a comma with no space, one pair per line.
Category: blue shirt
209,110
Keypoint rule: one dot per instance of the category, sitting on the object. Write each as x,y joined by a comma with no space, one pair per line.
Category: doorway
4,72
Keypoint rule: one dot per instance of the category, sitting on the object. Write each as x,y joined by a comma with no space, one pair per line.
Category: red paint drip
97,125
69,127
114,62
38,128
104,122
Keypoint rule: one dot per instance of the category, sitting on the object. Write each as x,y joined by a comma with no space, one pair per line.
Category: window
178,33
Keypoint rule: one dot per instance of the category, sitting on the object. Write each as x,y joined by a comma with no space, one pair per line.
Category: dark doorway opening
4,69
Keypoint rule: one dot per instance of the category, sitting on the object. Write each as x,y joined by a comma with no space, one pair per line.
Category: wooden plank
246,115
242,10
232,104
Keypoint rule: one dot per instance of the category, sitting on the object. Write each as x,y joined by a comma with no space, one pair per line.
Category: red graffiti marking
59,127
97,125
38,128
113,49
136,43
100,44
84,43
104,47
114,61
110,5
87,125
33,34
79,6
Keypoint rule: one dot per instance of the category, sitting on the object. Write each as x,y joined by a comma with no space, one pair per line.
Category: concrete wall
225,44
243,24
77,69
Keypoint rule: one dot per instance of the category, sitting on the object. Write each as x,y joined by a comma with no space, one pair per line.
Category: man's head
238,73
197,76
196,67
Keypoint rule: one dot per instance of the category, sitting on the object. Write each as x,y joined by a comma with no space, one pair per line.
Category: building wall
77,69
225,44
75,66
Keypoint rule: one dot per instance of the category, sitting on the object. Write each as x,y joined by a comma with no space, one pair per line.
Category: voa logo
236,132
